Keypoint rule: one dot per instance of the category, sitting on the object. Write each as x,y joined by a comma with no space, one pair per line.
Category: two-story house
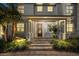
40,20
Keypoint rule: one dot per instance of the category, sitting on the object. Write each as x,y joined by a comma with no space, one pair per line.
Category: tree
15,16
10,14
2,16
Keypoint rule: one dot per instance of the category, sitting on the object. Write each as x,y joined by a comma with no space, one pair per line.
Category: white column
64,34
29,39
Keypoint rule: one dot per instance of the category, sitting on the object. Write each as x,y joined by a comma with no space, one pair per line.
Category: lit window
69,27
50,8
20,27
69,9
21,9
39,3
39,8
52,3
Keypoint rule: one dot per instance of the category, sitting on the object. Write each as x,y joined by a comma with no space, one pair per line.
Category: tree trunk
5,34
14,29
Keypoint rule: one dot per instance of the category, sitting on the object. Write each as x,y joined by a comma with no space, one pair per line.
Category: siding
28,9
77,17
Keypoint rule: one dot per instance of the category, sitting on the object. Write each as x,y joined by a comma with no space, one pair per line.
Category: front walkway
41,52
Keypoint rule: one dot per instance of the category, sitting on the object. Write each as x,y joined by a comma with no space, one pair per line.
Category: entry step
40,44
40,47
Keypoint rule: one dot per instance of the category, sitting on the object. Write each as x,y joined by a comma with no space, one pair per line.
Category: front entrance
41,27
39,30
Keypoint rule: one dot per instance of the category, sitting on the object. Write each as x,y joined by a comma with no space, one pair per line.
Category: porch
38,26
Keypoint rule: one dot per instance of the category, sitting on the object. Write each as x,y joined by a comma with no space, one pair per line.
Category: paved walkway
40,52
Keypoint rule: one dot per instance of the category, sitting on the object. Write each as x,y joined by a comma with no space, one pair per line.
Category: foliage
17,44
71,45
53,28
2,45
9,14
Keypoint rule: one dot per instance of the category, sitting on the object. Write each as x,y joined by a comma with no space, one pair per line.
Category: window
21,9
69,27
39,8
39,3
20,27
69,9
50,8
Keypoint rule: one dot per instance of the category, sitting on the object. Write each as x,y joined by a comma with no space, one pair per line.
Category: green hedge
71,45
18,44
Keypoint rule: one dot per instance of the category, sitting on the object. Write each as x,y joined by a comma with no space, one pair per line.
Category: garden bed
66,45
14,45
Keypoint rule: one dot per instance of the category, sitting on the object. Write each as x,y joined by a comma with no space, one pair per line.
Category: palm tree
10,14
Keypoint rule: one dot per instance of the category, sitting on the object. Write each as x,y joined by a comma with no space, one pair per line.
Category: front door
39,30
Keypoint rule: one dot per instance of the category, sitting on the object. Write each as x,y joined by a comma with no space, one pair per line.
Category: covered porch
42,26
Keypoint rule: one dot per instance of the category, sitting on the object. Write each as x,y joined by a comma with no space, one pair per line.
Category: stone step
40,45
40,42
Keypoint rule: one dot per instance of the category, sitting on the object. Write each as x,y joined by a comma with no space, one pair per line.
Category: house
40,20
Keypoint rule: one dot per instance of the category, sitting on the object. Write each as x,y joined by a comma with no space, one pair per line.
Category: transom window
20,27
50,8
39,8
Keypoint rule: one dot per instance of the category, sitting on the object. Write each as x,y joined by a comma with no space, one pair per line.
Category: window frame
20,26
21,9
49,8
38,7
69,9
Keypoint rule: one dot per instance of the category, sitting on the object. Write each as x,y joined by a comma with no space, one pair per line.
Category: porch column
29,21
64,34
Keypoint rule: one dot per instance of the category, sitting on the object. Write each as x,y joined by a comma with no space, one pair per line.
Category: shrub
2,45
17,44
75,43
62,45
71,44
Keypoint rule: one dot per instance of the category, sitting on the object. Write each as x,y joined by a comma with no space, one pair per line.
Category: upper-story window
50,8
69,9
39,8
21,9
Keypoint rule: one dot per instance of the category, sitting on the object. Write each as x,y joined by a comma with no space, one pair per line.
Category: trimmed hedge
70,45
